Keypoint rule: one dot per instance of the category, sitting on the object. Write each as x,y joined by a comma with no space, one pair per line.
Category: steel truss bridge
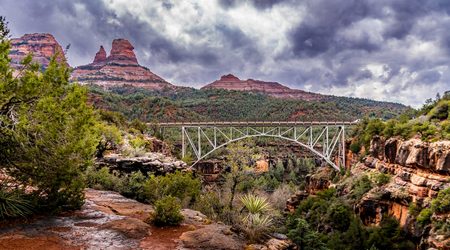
324,139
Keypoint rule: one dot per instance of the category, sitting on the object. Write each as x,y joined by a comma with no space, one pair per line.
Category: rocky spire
100,56
122,52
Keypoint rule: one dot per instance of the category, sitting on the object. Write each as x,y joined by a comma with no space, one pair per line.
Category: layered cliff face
231,82
120,68
419,171
41,46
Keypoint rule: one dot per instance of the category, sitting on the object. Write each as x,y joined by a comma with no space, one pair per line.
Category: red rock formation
275,89
122,52
100,56
120,68
42,46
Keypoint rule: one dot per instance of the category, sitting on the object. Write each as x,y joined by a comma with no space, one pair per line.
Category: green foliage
355,147
329,221
255,204
180,185
111,138
380,178
210,204
424,217
256,222
305,238
167,212
132,186
340,216
48,131
138,125
361,186
441,204
14,203
102,179
441,111
238,162
219,104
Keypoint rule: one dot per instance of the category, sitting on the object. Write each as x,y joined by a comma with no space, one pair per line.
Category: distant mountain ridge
122,69
275,89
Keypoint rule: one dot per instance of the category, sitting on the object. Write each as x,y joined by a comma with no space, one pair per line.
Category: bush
424,217
180,185
210,204
381,178
167,212
441,204
102,179
361,186
132,186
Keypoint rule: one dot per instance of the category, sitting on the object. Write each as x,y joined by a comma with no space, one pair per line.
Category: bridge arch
317,153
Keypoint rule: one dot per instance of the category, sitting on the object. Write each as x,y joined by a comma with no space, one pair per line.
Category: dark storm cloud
260,4
341,46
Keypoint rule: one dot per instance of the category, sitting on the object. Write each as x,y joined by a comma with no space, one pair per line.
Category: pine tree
48,132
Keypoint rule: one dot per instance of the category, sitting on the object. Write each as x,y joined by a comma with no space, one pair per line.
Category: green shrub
167,212
441,204
381,178
132,186
361,186
210,204
339,215
102,179
424,217
180,185
440,111
355,147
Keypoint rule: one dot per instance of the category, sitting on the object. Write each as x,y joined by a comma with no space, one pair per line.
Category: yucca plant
255,204
14,204
256,223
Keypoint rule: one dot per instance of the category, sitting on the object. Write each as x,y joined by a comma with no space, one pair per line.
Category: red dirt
16,242
165,238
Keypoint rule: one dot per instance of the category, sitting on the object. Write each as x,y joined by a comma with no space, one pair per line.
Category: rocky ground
110,221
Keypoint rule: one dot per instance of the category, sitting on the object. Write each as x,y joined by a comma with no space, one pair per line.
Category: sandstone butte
42,46
120,68
275,89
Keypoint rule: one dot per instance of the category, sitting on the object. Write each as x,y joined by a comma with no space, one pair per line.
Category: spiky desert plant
256,223
14,204
255,204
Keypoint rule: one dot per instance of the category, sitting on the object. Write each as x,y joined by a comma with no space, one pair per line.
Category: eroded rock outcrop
120,68
41,45
231,82
419,171
155,163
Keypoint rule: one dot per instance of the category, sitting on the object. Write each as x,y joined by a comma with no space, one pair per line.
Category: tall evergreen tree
48,132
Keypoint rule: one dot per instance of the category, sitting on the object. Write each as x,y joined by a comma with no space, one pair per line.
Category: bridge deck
252,123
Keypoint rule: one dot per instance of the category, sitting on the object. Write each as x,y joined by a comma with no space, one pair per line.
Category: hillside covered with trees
184,104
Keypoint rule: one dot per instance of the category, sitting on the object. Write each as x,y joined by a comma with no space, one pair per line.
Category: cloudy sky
394,50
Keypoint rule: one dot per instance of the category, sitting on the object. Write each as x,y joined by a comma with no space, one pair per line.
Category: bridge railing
252,123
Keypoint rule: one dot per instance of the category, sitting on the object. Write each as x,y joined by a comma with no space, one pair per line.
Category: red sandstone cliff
42,46
275,89
120,68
